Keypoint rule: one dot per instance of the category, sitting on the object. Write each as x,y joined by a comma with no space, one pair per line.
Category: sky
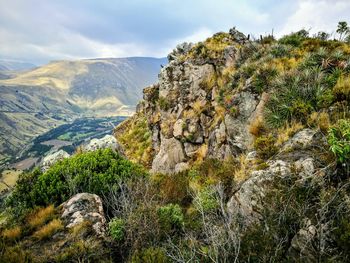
39,31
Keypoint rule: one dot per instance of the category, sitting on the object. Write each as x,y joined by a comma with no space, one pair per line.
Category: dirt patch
9,178
25,164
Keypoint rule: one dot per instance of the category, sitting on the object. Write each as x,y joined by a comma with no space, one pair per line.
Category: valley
36,100
66,137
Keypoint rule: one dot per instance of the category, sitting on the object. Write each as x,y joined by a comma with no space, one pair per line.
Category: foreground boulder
53,158
85,207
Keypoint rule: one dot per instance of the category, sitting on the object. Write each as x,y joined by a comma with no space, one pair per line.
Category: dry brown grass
288,131
48,230
12,233
198,106
201,153
257,127
40,216
319,120
243,170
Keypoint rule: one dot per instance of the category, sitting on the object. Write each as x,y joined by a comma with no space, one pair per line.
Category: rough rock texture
301,242
247,202
51,159
183,112
85,207
108,141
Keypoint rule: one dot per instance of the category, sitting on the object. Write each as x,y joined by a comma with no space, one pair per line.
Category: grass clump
12,234
40,216
48,230
265,146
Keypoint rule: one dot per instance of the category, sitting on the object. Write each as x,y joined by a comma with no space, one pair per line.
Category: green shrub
339,141
117,229
265,146
150,255
92,172
163,103
171,217
206,200
295,39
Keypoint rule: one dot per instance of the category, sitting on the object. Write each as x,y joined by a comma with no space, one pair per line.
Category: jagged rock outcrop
53,158
248,199
186,121
107,141
85,207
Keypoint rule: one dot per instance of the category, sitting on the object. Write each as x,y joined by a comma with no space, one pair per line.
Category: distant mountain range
36,100
8,65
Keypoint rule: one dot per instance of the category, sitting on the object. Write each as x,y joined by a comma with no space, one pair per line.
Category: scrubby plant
150,255
117,229
339,141
294,39
171,217
93,172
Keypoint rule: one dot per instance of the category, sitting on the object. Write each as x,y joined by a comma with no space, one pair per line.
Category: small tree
342,29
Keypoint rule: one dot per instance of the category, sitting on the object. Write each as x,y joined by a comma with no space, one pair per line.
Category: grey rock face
85,207
302,139
53,158
108,141
170,154
247,202
301,245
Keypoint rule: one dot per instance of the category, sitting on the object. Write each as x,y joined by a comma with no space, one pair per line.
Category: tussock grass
48,230
12,233
40,216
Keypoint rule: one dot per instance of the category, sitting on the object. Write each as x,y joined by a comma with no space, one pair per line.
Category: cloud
317,15
41,30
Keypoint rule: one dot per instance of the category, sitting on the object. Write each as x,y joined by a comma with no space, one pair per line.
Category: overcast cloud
42,30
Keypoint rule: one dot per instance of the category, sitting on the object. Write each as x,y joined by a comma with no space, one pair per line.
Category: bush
150,255
117,229
171,217
294,39
206,200
92,172
339,141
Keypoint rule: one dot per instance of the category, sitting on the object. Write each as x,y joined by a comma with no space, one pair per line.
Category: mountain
10,65
37,100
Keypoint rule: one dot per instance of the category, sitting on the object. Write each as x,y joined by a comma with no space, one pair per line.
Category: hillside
9,65
240,153
37,100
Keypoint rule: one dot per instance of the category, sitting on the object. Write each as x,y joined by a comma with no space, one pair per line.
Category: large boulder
53,158
85,207
247,202
107,141
171,153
